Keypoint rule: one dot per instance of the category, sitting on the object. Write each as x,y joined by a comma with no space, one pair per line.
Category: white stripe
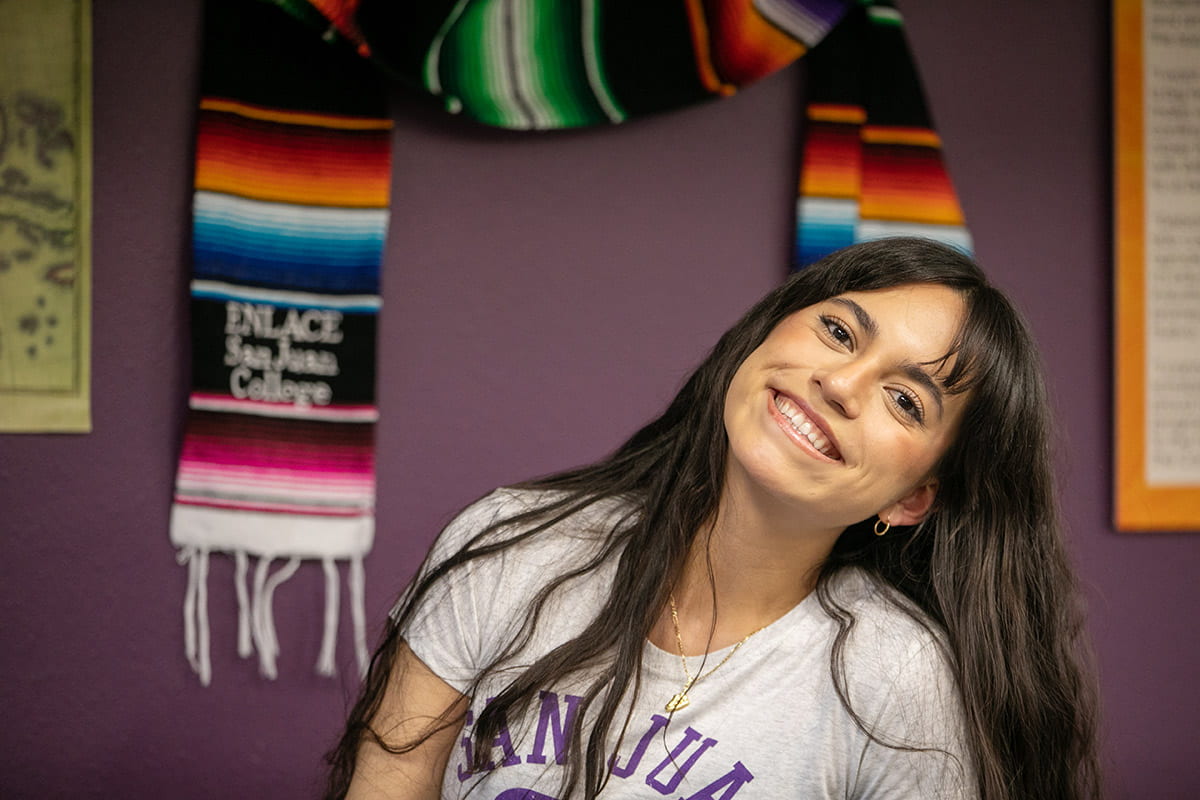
192,474
262,533
526,73
433,80
498,81
825,209
339,223
282,410
953,235
883,12
794,21
300,495
282,296
591,60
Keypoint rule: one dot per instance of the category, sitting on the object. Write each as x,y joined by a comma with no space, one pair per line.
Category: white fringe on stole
195,613
256,619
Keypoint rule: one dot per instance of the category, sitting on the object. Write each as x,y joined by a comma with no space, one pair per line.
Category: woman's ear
913,507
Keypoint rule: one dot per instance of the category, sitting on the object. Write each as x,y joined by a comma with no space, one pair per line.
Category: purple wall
544,294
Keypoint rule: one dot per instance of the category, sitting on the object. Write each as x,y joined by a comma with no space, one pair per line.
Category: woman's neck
747,568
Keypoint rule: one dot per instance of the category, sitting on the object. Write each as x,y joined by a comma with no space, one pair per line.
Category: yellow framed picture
1156,88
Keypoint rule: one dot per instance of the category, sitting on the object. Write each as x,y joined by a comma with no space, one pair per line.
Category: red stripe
832,160
274,429
314,511
907,182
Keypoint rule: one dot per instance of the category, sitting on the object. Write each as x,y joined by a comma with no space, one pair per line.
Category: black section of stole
648,55
305,356
257,53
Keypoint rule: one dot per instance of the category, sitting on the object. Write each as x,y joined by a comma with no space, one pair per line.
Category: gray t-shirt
768,724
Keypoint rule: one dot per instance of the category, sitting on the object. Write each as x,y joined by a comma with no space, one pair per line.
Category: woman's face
840,412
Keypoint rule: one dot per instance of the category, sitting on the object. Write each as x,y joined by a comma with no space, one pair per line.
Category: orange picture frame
1139,504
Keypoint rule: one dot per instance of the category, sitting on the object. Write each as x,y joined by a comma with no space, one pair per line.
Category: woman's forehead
923,317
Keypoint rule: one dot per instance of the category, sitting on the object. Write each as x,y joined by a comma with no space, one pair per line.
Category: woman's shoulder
900,680
893,649
499,504
883,616
505,513
478,606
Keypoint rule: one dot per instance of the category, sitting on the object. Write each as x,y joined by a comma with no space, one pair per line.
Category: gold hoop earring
882,527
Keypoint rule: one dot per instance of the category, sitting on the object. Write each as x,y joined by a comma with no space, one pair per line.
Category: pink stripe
279,457
364,465
233,444
265,477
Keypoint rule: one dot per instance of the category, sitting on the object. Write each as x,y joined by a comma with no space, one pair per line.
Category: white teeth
803,426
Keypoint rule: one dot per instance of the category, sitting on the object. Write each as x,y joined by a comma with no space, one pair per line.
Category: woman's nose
842,386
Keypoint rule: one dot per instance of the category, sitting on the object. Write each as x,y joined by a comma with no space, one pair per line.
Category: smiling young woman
831,568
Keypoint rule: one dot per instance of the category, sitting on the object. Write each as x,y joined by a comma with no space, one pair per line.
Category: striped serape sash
871,164
290,213
291,209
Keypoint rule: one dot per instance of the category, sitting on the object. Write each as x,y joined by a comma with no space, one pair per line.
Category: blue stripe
819,238
285,246
304,247
268,272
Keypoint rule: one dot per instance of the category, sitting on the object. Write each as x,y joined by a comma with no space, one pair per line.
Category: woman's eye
908,404
837,330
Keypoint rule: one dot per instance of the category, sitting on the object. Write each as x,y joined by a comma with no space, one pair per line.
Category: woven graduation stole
291,204
871,164
290,213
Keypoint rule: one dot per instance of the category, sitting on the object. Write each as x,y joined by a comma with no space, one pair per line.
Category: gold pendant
679,701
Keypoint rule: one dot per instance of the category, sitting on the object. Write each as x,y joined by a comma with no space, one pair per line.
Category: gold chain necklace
680,699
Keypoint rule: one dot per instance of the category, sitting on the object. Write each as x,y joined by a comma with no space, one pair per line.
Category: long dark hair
987,566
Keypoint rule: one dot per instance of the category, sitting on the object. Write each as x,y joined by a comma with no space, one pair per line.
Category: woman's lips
805,426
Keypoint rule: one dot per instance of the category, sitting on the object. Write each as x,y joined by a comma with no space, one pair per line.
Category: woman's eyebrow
865,320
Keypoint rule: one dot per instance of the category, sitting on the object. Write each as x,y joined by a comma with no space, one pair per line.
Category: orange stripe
300,184
832,161
746,46
910,184
295,117
290,163
888,134
830,181
830,112
933,210
700,45
933,206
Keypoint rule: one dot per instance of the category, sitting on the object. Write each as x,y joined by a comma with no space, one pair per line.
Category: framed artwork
1156,85
45,216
